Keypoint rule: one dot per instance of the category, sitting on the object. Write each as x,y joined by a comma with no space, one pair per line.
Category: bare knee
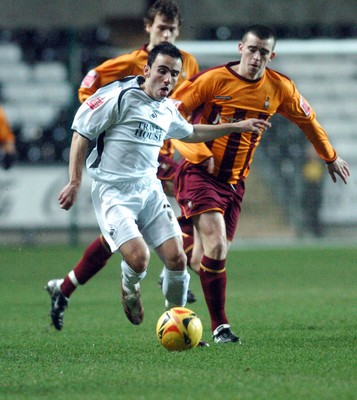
176,261
220,247
215,247
138,261
172,254
212,233
136,254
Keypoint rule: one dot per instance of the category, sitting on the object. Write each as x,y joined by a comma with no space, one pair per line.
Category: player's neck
149,47
240,70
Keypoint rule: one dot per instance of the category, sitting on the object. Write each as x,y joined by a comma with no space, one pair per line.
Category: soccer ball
179,329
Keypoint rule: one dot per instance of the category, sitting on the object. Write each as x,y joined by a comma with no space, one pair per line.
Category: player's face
162,76
255,53
162,30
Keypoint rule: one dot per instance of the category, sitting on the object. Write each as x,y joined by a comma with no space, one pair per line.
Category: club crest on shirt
266,103
305,106
95,103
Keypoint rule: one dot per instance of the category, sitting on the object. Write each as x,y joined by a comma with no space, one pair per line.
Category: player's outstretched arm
340,168
205,133
78,152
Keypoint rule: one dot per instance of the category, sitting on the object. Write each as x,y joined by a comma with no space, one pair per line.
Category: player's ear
147,71
240,47
272,56
148,28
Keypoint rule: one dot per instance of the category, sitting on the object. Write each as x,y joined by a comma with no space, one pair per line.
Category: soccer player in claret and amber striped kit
232,92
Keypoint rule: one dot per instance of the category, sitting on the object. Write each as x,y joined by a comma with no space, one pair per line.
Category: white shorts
134,209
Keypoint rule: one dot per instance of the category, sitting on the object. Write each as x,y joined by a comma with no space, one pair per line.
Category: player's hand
68,196
340,168
254,125
208,164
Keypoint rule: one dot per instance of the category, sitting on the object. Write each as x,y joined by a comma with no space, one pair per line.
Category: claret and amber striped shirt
220,95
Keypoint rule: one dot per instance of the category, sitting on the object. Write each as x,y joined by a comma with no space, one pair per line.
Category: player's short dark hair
167,8
261,31
166,49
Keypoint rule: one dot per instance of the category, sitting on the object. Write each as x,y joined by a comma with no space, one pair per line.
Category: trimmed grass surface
295,310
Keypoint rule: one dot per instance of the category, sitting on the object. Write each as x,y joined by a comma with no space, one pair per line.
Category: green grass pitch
294,309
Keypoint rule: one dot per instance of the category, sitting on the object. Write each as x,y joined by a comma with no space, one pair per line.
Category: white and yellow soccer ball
179,329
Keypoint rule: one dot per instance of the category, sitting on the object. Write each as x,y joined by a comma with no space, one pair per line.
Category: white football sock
130,278
174,287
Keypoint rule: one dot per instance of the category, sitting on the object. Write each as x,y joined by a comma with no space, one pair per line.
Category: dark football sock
214,281
93,260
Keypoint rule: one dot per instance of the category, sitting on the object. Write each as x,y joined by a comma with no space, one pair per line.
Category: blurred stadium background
47,47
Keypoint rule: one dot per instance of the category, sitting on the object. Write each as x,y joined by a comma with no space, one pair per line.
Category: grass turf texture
295,310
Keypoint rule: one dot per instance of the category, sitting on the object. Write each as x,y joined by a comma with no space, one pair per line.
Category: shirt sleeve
298,110
179,127
96,114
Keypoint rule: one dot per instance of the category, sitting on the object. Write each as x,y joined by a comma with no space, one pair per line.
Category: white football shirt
130,128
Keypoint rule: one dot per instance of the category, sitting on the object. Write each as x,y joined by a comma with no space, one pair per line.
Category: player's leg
211,227
187,240
188,246
117,214
196,253
187,229
176,278
93,260
136,256
214,234
162,232
212,273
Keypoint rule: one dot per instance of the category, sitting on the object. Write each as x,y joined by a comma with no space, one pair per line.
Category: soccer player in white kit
129,120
